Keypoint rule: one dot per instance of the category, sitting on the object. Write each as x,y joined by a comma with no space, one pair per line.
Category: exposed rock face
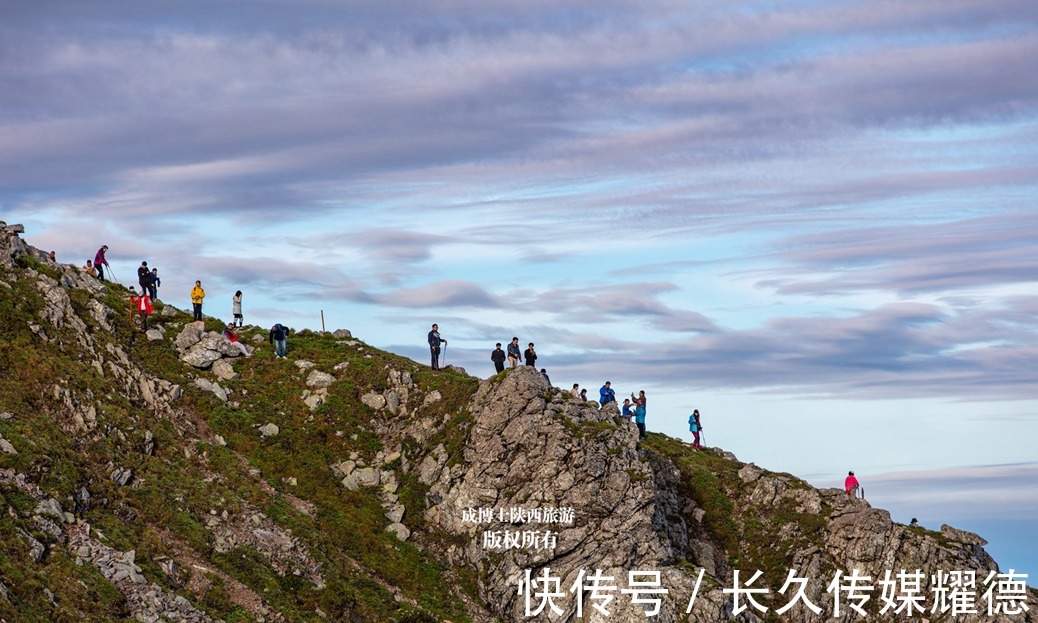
531,447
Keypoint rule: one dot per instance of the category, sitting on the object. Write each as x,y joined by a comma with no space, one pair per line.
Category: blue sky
815,222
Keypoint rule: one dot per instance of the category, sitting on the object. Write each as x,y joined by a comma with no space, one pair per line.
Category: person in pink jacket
851,485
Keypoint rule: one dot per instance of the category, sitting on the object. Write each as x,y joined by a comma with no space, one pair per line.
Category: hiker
606,394
576,390
236,309
88,268
434,346
625,411
100,262
53,256
530,355
583,395
153,285
850,485
914,523
232,337
694,427
143,277
544,373
513,352
197,294
141,305
279,338
498,357
639,412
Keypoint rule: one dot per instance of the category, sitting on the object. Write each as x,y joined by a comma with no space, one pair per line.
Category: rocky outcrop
532,450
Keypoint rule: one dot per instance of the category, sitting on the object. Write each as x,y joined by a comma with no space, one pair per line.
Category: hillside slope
161,477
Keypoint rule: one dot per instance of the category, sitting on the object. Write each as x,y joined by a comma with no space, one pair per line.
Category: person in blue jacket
694,427
606,394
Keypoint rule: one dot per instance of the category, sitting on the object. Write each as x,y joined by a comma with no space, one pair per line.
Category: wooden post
322,321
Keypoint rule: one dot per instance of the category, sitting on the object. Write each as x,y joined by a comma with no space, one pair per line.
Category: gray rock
215,388
190,335
6,447
6,416
319,379
367,476
149,443
212,347
400,530
303,364
395,513
373,400
51,508
269,430
342,333
153,335
121,476
223,370
168,311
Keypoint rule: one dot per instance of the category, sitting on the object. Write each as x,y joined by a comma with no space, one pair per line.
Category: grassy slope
187,477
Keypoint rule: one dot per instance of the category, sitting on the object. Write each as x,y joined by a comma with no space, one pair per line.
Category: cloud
910,258
448,293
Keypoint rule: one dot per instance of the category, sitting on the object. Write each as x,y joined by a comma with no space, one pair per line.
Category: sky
813,221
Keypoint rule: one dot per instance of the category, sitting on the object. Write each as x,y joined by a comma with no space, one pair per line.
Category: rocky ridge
178,482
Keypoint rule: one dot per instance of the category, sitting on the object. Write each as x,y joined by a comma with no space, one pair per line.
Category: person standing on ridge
141,306
143,277
197,294
279,338
544,373
100,262
606,394
236,309
434,346
530,355
694,427
153,285
498,357
850,485
576,390
583,395
639,413
513,352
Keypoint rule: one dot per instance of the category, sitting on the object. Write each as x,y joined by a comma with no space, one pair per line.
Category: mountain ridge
161,477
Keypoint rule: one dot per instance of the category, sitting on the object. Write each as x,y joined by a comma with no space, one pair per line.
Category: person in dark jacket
513,352
153,284
606,394
144,277
434,346
279,338
498,357
530,355
544,373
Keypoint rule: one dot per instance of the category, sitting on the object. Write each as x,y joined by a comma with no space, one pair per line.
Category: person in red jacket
850,485
232,337
142,306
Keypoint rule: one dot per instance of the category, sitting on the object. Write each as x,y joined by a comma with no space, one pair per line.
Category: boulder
319,379
342,333
269,430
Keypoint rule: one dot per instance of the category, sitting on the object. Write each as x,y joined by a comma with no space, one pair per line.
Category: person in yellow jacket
197,294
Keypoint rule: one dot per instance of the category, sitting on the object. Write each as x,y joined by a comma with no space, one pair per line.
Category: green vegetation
50,385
